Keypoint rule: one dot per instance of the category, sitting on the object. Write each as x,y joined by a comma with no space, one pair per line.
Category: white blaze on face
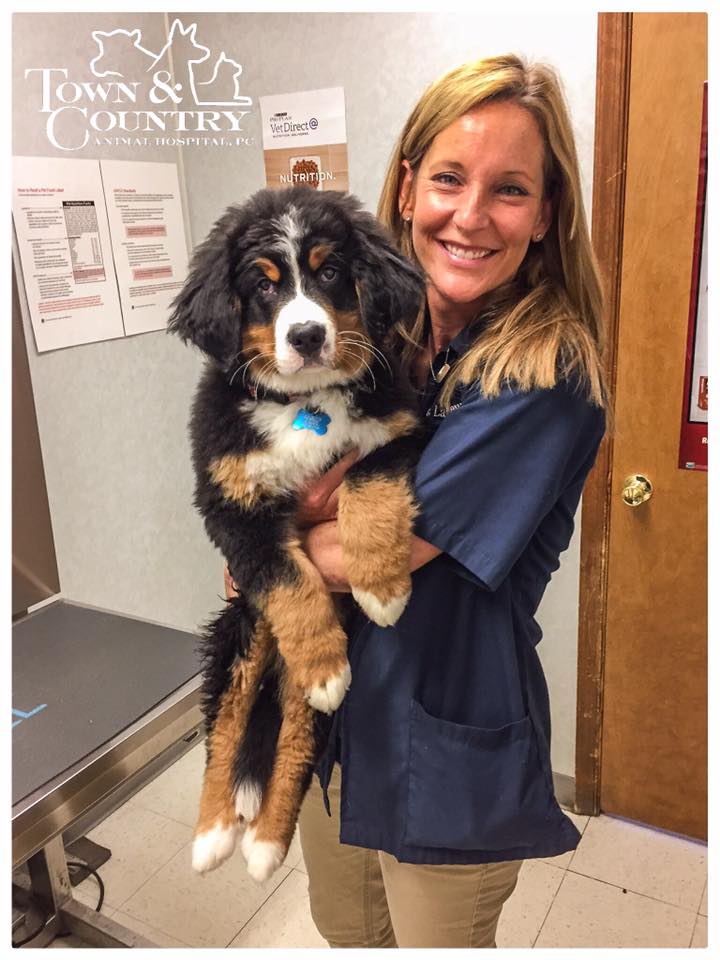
301,309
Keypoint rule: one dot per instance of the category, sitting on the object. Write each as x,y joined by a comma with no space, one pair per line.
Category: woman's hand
321,543
319,500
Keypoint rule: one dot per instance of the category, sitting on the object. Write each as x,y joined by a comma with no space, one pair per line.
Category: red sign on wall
693,429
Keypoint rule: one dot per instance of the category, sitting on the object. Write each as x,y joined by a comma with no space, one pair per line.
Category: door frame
608,205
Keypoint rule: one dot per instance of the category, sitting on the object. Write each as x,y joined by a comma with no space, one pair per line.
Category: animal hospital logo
200,106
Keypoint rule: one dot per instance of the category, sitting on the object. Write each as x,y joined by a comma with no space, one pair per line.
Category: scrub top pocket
472,788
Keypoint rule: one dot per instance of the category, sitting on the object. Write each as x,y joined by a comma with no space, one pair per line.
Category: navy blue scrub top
444,734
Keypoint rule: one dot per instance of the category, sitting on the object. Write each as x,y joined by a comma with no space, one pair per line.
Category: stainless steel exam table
101,702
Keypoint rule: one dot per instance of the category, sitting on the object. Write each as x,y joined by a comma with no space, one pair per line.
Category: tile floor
625,885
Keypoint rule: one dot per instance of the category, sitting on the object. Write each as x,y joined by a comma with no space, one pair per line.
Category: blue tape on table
96,672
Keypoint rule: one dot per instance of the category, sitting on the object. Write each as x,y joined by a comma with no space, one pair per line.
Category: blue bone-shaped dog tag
311,420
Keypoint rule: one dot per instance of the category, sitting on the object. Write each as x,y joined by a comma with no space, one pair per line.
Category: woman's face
476,202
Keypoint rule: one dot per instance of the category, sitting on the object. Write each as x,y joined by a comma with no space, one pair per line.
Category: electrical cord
32,900
45,917
75,863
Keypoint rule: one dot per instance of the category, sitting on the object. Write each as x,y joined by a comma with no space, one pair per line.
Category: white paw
214,846
327,697
384,614
263,857
247,800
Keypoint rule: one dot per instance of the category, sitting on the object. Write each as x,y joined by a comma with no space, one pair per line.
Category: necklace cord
442,372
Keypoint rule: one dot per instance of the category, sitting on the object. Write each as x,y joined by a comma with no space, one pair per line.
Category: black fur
208,309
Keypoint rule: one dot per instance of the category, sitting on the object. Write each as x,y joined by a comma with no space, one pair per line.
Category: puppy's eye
328,274
266,286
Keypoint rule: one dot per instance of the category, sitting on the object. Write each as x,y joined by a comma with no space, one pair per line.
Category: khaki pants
366,898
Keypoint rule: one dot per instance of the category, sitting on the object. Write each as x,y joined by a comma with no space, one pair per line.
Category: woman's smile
464,253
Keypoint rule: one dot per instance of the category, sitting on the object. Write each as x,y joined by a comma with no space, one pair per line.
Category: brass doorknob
636,490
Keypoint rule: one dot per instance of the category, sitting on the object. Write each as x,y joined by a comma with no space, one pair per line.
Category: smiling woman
443,739
543,323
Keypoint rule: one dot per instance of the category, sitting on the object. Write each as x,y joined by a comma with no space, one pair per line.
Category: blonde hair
545,324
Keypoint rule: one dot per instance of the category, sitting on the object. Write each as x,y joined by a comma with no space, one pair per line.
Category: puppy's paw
328,696
384,614
213,846
263,856
248,798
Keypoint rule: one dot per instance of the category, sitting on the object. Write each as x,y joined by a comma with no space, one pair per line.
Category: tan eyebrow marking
271,270
318,255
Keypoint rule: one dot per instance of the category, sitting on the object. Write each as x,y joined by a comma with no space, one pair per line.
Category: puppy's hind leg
217,825
266,840
255,755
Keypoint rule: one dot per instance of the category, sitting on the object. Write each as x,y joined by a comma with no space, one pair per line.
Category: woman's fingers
325,485
319,500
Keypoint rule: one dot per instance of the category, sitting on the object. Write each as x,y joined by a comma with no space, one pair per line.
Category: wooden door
652,756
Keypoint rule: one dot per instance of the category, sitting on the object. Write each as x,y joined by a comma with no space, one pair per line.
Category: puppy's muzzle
307,339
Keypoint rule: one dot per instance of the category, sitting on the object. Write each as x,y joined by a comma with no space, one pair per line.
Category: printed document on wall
148,236
64,242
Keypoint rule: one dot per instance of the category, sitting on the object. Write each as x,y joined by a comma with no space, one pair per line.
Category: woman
443,738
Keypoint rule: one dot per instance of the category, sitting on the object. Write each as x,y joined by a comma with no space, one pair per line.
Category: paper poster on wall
65,252
148,238
305,140
693,429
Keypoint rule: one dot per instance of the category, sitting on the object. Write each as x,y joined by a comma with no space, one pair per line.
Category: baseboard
564,790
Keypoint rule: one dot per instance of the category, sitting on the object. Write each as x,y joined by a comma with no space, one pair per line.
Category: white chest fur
296,454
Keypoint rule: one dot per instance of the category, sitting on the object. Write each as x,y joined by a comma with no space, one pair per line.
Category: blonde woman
438,774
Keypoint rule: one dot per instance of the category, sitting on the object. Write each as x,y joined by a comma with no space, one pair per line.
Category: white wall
112,416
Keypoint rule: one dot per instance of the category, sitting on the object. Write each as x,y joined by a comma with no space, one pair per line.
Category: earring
539,237
407,219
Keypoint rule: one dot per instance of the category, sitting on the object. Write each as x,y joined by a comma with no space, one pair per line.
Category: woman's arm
322,545
318,529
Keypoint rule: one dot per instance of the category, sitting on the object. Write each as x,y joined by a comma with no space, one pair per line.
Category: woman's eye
513,190
446,178
328,274
266,286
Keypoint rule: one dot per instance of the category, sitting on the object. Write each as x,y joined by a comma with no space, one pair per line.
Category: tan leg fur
217,821
266,840
302,616
375,521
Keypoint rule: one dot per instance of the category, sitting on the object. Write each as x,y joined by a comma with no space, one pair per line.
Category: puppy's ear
206,311
389,287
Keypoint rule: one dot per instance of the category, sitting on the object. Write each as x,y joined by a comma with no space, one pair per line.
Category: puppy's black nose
306,338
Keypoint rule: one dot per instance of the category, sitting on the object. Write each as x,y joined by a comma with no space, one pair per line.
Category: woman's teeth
467,254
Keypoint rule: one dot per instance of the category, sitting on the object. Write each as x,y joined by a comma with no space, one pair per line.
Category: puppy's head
299,287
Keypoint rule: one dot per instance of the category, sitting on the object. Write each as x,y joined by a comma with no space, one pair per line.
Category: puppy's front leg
376,511
254,531
301,613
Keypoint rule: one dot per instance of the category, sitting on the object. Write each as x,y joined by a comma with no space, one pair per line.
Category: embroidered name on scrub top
437,411
314,420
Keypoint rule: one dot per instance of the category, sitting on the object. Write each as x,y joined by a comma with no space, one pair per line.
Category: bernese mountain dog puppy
292,298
